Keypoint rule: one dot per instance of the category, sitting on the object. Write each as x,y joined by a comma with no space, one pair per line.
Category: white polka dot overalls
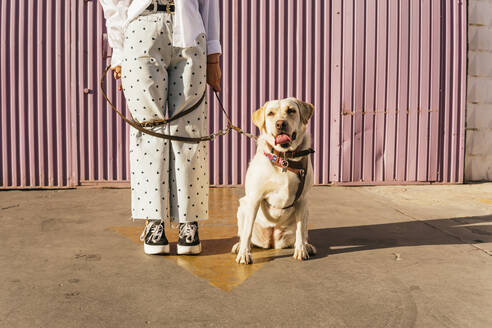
169,179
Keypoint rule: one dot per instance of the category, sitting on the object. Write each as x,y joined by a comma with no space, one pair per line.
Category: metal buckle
168,7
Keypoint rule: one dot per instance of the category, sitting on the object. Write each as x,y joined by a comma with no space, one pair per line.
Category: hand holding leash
213,72
117,74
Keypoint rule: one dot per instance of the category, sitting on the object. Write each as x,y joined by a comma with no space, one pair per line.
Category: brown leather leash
141,126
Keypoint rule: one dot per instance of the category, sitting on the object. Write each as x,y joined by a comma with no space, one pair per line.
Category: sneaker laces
188,231
153,231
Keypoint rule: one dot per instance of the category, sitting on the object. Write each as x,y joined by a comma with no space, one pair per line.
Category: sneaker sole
183,250
156,249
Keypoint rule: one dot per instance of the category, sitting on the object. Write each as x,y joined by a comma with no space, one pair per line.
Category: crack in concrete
11,206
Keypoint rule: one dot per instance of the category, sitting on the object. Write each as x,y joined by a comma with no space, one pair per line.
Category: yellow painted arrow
216,263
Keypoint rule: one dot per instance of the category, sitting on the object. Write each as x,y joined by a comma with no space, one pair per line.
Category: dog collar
297,167
290,153
277,160
281,159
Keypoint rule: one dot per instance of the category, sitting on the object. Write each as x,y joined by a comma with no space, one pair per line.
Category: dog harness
283,160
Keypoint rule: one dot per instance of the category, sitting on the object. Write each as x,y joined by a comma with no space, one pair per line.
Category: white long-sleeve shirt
191,18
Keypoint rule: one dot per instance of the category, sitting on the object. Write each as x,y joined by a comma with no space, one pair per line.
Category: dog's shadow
340,240
410,233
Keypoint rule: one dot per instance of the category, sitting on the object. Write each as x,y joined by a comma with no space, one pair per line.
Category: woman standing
165,53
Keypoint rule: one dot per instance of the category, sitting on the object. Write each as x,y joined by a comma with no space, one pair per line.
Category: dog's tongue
282,139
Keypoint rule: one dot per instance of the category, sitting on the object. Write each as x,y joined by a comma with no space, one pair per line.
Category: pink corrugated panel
35,109
387,79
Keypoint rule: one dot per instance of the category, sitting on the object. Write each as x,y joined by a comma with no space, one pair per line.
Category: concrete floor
413,256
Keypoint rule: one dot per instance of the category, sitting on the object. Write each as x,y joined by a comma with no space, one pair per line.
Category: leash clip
168,7
284,165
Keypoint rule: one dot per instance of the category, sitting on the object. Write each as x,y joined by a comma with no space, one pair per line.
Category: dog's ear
306,111
258,117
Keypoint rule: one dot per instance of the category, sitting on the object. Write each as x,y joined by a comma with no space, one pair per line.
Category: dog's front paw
311,249
244,257
235,248
302,252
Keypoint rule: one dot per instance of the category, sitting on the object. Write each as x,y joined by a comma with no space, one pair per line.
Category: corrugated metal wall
386,78
35,111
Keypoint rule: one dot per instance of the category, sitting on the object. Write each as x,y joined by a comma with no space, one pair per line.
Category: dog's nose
281,124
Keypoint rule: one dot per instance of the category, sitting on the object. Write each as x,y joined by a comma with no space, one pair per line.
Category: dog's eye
291,111
271,113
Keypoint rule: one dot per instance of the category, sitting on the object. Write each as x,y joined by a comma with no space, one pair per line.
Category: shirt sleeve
115,12
209,10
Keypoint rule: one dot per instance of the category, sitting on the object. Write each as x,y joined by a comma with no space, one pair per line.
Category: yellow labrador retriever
273,213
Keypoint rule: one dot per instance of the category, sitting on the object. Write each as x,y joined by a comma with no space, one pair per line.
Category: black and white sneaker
154,238
188,241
